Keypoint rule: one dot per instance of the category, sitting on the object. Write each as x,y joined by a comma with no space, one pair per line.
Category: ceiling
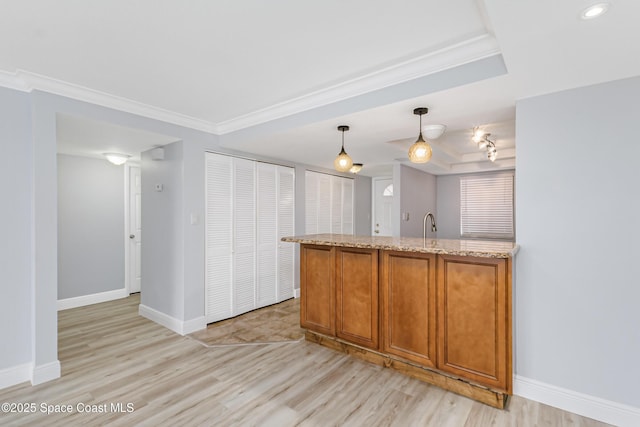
276,78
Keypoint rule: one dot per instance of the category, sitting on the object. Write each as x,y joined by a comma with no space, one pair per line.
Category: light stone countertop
479,248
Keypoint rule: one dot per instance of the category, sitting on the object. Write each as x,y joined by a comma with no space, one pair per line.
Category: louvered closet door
310,203
347,206
286,220
244,233
324,203
267,237
336,204
218,187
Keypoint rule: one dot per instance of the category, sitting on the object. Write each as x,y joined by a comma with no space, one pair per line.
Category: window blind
486,206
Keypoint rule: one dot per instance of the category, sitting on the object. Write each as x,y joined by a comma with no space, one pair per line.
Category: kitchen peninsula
435,309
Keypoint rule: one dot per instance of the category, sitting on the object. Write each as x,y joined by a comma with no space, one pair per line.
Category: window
486,206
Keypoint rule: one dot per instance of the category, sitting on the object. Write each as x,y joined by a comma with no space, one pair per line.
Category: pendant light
420,151
343,162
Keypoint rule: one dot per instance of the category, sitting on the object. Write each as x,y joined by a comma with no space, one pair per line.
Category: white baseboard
177,326
296,293
47,372
15,375
64,304
582,404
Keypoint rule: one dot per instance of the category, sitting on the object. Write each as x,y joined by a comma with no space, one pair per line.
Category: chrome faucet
424,224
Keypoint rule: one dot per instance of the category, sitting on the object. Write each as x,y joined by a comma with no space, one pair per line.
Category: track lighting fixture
481,138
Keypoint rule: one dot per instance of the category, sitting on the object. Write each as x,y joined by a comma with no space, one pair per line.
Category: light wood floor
109,354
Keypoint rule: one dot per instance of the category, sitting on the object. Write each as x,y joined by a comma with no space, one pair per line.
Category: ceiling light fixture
117,158
595,11
343,162
433,131
357,167
420,151
481,138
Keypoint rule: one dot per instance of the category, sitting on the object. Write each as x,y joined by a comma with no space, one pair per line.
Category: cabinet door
408,286
474,330
357,296
317,288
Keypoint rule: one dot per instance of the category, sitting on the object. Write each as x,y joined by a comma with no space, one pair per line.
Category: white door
244,236
382,205
135,229
267,234
219,237
286,227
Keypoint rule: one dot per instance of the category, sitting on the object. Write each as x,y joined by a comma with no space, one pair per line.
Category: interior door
382,203
135,229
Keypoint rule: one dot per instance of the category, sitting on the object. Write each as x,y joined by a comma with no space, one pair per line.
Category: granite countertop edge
475,248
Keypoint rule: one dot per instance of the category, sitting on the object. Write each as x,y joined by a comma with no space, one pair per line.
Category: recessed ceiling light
595,10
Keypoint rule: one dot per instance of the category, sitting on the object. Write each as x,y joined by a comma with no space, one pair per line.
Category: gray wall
362,214
577,289
16,169
449,204
90,226
163,248
414,192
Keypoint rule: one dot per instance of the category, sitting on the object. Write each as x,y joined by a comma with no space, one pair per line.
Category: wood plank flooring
110,355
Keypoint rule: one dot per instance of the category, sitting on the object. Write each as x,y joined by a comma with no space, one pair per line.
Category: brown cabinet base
453,384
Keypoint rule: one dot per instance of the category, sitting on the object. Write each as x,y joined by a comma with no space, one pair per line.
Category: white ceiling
228,66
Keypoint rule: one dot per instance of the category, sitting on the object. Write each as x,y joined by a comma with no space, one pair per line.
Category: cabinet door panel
408,286
357,296
317,288
473,319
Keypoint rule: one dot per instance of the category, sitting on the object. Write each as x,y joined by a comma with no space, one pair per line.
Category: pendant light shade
420,151
343,162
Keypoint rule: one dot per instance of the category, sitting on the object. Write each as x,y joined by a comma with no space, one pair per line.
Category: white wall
16,169
577,287
90,226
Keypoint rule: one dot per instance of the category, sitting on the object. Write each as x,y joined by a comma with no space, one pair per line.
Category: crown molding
11,81
464,52
26,81
469,50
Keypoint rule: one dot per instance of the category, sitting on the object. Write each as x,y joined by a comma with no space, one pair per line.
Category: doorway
382,206
133,226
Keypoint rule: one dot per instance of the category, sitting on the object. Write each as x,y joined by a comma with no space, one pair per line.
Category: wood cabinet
357,296
317,288
474,326
440,318
408,287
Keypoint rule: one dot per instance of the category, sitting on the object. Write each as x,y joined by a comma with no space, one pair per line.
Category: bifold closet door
244,236
267,237
286,227
219,237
